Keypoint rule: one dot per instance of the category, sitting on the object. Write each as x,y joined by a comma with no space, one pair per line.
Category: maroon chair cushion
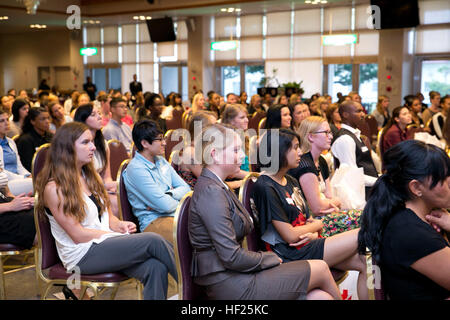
125,205
38,161
49,253
118,153
59,272
191,291
176,121
10,247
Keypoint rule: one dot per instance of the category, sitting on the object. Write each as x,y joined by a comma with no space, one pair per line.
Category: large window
231,80
253,76
339,79
368,85
435,77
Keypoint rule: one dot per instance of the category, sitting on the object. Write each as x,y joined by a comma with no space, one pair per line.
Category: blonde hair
307,126
60,167
381,98
216,136
195,101
231,111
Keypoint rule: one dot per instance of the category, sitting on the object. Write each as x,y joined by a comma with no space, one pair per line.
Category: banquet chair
187,289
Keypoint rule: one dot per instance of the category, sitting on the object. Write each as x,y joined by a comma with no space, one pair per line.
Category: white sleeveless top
71,253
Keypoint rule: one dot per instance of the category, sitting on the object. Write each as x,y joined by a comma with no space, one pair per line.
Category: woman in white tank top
87,235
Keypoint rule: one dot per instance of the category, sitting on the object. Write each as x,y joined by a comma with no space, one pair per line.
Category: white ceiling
109,12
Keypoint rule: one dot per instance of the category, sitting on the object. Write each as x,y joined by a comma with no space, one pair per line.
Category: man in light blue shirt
116,129
153,186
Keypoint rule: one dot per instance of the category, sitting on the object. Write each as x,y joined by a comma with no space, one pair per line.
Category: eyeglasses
327,132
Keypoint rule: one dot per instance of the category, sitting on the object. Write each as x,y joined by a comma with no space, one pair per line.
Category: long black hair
274,146
81,114
273,120
406,161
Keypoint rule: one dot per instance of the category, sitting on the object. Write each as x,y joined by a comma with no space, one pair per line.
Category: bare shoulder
50,193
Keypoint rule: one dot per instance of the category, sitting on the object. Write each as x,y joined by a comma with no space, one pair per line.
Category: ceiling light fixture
30,5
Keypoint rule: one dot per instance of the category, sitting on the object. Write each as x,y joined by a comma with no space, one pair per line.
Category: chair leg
2,281
114,292
140,289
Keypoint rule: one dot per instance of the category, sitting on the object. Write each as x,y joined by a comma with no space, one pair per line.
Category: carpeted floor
20,284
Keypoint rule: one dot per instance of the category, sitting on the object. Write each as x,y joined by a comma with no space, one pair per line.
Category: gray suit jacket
218,223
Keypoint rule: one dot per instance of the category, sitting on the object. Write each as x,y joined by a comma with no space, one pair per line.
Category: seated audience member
57,116
322,106
104,108
232,98
286,225
437,121
198,103
243,99
187,167
81,99
295,98
90,116
314,108
87,234
16,216
35,132
6,103
381,112
216,229
267,102
281,99
278,116
116,129
428,113
20,109
69,102
176,102
299,112
255,105
237,117
154,188
395,131
314,177
334,118
214,104
350,147
154,105
19,179
405,221
415,108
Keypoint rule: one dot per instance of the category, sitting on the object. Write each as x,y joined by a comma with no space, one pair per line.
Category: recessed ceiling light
308,1
135,18
324,1
141,18
238,9
223,9
97,21
149,18
230,9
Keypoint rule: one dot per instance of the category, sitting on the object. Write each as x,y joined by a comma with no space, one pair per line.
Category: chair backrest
262,125
173,160
171,141
253,238
176,122
38,160
255,119
125,208
373,126
117,154
187,289
47,253
365,130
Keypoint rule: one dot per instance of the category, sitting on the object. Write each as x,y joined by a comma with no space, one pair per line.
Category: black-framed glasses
327,132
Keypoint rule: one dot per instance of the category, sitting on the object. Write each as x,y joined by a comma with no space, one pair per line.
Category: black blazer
218,223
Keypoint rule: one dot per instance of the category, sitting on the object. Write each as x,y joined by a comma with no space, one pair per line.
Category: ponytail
406,161
383,203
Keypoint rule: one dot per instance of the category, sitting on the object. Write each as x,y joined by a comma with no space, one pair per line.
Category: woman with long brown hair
88,236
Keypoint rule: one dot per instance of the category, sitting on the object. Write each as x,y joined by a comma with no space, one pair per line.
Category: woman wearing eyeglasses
314,178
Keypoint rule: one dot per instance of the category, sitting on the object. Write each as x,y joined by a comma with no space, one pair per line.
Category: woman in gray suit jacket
218,223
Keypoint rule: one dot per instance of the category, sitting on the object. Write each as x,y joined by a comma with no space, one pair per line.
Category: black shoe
69,294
